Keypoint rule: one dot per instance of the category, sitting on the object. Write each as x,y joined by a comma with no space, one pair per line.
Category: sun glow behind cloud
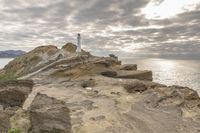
112,26
168,8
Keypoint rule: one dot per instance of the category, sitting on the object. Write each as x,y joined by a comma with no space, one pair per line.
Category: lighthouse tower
78,50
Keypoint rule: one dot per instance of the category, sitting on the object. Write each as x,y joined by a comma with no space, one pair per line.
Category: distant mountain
11,53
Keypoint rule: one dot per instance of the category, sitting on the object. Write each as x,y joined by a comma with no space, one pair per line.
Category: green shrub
34,59
13,130
7,76
70,47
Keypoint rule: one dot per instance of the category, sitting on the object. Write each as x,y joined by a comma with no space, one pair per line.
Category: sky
123,27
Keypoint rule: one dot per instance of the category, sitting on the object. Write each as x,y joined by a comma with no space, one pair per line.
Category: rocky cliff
81,93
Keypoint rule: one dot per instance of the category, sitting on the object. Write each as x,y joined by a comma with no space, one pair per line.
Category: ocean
165,71
4,61
170,71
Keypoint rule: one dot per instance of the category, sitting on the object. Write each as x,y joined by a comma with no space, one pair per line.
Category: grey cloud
26,24
101,12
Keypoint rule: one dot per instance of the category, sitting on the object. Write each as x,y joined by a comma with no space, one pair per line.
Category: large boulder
12,96
128,67
135,87
142,75
49,115
14,93
109,73
184,101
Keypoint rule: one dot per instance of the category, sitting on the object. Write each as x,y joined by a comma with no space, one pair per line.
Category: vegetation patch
70,47
22,65
13,130
7,76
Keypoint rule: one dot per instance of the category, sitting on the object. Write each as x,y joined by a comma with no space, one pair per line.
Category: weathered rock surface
88,83
135,87
142,75
14,93
109,73
87,94
49,115
12,96
4,122
30,61
128,67
21,121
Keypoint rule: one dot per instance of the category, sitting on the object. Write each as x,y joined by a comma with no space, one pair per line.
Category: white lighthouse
78,50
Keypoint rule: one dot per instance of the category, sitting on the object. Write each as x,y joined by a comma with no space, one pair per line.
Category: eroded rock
104,63
4,122
129,67
142,75
49,115
109,73
135,87
29,62
21,121
88,83
14,93
104,106
12,96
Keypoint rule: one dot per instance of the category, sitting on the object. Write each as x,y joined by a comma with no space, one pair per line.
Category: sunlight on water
171,72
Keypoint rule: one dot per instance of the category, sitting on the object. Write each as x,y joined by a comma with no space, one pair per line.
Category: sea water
165,71
4,61
170,71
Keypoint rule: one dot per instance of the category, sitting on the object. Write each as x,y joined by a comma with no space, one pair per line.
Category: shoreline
75,93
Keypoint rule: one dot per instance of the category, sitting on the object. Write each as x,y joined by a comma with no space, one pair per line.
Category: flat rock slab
128,67
142,75
109,73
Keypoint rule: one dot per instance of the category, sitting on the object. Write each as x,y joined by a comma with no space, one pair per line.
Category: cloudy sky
123,27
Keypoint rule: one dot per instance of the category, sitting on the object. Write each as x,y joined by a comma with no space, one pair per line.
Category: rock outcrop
70,47
29,62
142,75
81,93
135,87
14,93
109,73
4,122
49,115
12,97
129,67
182,99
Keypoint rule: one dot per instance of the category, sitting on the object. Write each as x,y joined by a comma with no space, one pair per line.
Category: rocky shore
60,91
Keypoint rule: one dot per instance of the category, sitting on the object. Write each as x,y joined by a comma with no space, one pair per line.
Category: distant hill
11,53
